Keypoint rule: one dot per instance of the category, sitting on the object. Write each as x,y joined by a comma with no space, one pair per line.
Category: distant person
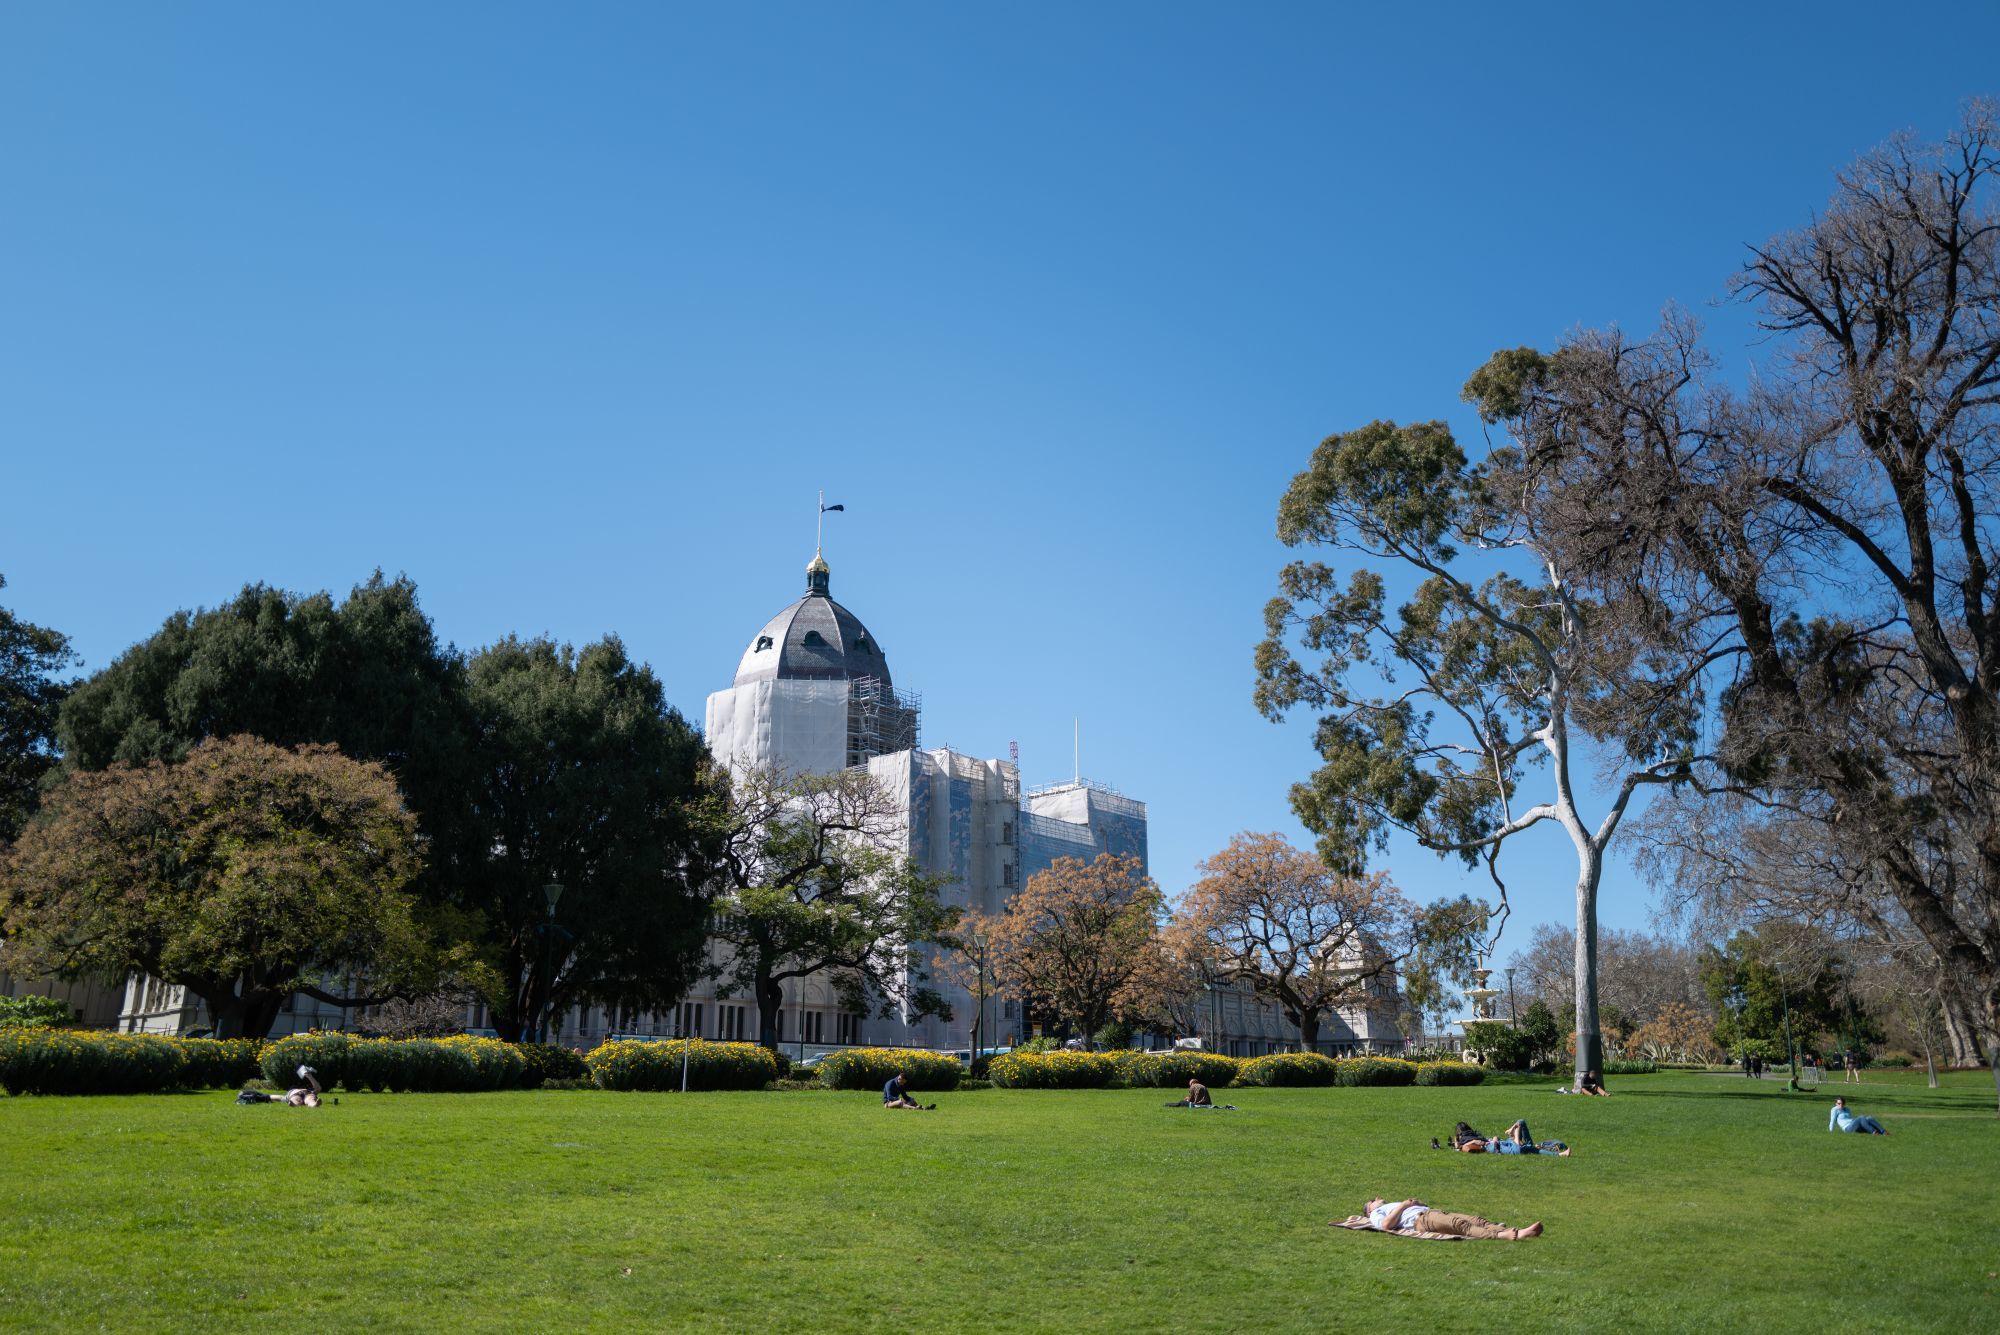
1850,1068
305,1096
1746,1066
1416,1217
1198,1097
1590,1082
896,1094
1843,1119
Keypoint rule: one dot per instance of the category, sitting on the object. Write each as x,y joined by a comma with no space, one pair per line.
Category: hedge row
637,1064
871,1068
69,1061
1172,1070
456,1065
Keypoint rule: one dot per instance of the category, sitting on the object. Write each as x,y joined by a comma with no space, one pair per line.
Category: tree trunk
1589,1040
1308,1029
770,998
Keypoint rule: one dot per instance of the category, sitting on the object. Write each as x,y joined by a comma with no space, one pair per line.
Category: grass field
1691,1202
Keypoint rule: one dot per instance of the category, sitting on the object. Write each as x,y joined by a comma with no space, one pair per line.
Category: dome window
763,643
863,645
814,640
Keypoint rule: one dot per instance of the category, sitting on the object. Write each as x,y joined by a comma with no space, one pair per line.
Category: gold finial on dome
818,576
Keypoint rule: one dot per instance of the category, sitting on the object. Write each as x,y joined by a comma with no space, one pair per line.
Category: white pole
819,525
1076,751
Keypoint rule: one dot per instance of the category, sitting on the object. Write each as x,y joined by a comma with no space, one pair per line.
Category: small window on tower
863,645
763,643
813,637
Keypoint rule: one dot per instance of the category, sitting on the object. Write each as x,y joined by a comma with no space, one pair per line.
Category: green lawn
1691,1202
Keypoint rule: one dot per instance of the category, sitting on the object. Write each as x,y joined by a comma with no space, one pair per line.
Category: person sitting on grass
1843,1119
1415,1217
1590,1082
896,1094
1198,1097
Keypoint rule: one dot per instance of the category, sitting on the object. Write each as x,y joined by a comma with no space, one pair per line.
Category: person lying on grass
1415,1217
1517,1140
306,1096
896,1094
1843,1119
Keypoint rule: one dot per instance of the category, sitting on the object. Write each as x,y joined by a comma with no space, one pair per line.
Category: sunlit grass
1692,1201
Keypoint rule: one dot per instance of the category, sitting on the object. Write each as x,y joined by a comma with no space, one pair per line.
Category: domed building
812,693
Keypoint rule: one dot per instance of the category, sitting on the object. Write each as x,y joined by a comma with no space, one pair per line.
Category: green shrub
217,1063
544,1063
66,1061
1504,1048
1375,1071
35,1013
1172,1070
637,1064
458,1065
1052,1070
1449,1073
326,1053
1630,1066
1035,1045
1290,1068
967,1084
872,1068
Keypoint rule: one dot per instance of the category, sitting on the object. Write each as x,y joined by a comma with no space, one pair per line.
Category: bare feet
1533,1230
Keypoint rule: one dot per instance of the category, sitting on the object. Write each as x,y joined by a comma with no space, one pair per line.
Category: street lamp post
551,892
1513,1006
979,940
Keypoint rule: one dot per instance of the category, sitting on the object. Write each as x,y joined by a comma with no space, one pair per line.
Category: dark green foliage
419,1065
218,1063
1762,977
872,1068
1449,1073
35,1013
1290,1068
30,696
585,777
1113,1036
1637,1066
633,1064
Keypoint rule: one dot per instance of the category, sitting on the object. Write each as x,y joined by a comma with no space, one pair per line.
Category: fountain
1481,996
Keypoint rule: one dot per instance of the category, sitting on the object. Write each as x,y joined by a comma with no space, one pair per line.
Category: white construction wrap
795,727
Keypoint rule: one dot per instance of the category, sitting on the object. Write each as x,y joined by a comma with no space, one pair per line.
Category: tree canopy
246,872
581,775
1080,936
813,882
30,695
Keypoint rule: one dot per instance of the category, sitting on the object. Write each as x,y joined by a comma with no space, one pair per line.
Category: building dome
815,639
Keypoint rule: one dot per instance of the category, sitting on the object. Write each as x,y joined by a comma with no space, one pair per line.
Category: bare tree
1830,532
1298,934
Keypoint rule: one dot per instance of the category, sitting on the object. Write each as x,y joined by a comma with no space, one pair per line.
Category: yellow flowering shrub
871,1068
1172,1070
1291,1068
630,1063
1052,1070
1376,1071
1449,1073
72,1061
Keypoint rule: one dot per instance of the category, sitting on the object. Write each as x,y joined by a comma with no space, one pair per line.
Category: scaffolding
881,720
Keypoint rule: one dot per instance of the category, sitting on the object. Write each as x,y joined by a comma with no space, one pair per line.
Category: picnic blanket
1359,1222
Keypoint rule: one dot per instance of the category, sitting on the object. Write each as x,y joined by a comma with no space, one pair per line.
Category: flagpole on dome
819,525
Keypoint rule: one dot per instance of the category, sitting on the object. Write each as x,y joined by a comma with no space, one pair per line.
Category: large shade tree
1438,715
1829,531
31,657
583,776
813,881
1080,937
1300,935
245,873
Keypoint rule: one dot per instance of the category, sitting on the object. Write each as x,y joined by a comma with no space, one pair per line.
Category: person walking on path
1415,1217
1851,1069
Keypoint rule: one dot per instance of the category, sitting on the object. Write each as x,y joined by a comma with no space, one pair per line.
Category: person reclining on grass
306,1096
1517,1140
896,1094
1198,1097
1416,1217
1843,1119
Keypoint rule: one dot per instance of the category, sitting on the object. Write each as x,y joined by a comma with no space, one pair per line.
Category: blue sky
567,312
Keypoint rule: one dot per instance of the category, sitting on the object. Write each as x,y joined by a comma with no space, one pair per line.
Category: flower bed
1052,1070
871,1068
1291,1068
1449,1073
633,1064
1172,1070
71,1061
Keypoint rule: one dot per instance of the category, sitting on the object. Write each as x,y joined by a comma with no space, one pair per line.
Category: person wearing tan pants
1416,1217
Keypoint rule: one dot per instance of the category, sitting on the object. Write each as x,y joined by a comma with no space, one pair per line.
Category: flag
824,507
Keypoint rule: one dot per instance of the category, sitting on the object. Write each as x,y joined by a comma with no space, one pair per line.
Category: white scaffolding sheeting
796,727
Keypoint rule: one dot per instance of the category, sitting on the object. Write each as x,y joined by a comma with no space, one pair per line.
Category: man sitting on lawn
1416,1217
896,1094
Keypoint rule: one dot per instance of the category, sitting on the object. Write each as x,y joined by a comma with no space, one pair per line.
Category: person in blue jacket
1843,1119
